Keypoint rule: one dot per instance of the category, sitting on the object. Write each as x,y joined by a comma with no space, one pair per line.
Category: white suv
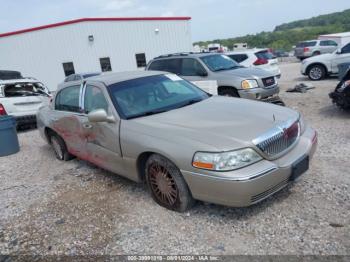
21,98
318,67
260,58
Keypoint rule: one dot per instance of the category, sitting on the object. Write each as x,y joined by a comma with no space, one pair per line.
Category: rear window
169,65
264,55
24,89
307,44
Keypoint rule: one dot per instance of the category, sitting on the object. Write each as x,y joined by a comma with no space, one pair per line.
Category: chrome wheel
57,148
316,73
162,184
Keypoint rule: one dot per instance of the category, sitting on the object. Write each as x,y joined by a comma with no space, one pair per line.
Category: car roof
112,78
186,54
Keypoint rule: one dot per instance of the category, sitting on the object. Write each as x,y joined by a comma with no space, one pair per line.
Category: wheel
228,91
167,185
60,148
316,72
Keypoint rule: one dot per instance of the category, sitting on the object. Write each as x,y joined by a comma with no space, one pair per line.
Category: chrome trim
238,179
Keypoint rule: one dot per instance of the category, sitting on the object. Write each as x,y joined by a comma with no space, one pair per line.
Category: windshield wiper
148,113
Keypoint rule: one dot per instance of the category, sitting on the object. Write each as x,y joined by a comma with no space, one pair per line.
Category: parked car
22,98
10,74
233,79
260,58
280,53
318,67
310,48
184,143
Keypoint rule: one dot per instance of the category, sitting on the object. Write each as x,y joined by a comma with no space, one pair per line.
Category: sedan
187,145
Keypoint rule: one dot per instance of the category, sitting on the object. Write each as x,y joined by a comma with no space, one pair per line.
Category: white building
341,38
51,52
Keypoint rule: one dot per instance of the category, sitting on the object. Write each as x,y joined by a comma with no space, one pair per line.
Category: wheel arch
221,88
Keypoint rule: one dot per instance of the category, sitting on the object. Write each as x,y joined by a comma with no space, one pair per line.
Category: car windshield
219,62
153,94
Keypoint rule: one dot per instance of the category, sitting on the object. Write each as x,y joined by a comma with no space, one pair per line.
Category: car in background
260,58
80,76
280,53
232,78
319,67
310,48
10,74
185,144
21,98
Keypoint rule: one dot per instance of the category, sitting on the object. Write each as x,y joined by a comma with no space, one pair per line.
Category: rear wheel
168,187
60,148
316,72
228,91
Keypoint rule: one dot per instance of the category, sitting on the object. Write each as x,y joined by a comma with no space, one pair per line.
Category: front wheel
316,72
167,185
60,148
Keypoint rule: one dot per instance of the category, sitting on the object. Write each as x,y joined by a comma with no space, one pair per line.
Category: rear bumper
25,120
252,184
259,93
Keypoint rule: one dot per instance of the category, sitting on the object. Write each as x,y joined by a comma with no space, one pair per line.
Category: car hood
217,123
246,72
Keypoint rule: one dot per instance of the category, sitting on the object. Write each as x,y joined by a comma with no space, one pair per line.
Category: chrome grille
279,140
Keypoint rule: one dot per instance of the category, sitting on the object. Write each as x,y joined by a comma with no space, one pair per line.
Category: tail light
261,61
2,110
306,49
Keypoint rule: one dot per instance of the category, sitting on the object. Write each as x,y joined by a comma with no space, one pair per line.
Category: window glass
94,99
219,62
191,67
68,99
238,57
333,43
169,65
346,49
264,55
141,60
68,68
307,44
105,64
153,94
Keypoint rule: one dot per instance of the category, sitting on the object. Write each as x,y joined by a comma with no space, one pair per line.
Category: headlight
225,161
249,83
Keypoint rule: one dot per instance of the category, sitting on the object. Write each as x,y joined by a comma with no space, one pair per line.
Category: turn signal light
203,165
2,110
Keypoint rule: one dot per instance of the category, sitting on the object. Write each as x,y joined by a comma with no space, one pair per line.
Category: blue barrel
8,136
343,68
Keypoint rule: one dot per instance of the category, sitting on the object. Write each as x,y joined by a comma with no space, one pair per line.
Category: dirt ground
48,207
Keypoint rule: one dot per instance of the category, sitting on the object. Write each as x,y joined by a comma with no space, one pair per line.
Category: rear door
66,119
102,139
328,46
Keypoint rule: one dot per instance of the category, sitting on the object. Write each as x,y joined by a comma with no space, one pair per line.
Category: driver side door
102,138
343,57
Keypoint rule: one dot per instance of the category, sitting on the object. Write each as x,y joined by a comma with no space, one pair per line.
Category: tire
229,91
60,148
316,72
167,185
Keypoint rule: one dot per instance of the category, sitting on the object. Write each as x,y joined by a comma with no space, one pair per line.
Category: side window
332,43
105,64
324,43
168,65
141,60
239,57
68,68
191,67
68,99
94,99
346,49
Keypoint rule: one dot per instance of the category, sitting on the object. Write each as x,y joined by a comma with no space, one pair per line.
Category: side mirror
202,73
100,115
338,51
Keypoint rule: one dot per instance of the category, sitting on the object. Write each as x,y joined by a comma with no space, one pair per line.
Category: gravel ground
50,207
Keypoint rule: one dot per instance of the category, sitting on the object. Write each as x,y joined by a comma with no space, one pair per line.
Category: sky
211,19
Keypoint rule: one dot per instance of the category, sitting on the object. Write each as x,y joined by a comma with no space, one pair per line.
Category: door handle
87,126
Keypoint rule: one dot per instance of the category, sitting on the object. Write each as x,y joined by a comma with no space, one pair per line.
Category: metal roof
80,20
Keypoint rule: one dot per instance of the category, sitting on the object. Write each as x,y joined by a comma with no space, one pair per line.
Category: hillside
287,35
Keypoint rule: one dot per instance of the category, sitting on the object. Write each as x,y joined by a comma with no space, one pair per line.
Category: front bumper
259,93
251,184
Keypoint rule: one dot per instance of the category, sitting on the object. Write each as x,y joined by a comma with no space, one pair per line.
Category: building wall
40,54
